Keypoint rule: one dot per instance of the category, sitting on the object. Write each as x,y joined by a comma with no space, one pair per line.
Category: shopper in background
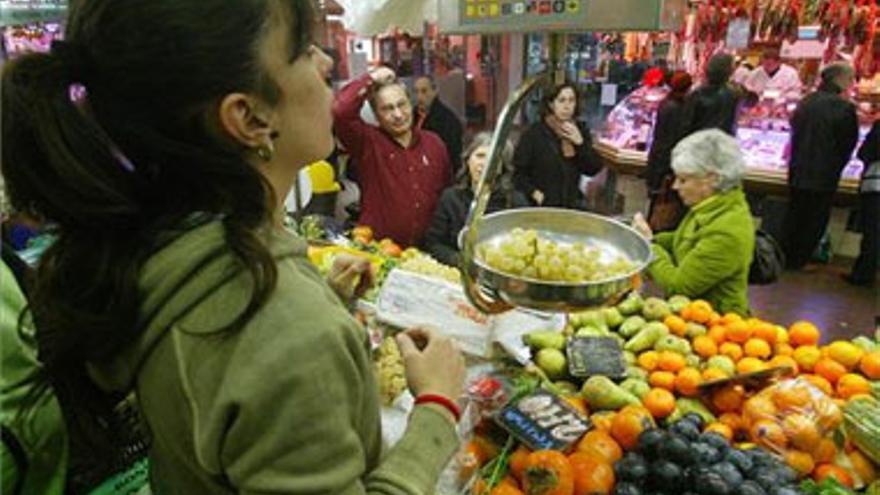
773,78
442,237
666,209
173,274
709,254
554,152
824,132
864,271
401,170
715,104
431,114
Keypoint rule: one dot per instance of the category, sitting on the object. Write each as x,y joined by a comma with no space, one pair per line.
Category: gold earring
266,152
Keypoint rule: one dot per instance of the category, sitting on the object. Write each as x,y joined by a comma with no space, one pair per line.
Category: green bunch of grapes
526,254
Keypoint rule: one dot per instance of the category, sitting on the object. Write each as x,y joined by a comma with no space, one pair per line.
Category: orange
712,374
852,384
807,357
750,365
676,325
830,369
769,433
820,383
602,420
704,346
782,362
738,332
765,331
671,361
870,365
687,381
721,429
729,398
801,431
505,488
758,348
578,403
825,470
759,408
845,353
659,401
701,311
783,349
648,360
662,379
629,423
825,451
731,350
729,318
829,413
803,333
732,420
601,445
800,461
591,476
687,313
863,467
781,335
718,334
792,396
714,319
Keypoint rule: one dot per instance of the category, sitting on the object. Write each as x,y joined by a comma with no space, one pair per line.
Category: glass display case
763,132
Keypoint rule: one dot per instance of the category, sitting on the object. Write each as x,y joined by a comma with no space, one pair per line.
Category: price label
542,420
590,356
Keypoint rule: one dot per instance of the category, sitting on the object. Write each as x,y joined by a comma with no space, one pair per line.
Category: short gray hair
710,152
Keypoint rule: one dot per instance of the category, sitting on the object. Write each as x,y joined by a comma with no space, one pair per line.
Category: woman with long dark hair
450,216
161,139
554,152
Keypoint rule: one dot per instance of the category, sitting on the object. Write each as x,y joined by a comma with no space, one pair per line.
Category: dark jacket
824,131
667,130
443,122
710,107
539,165
870,149
441,240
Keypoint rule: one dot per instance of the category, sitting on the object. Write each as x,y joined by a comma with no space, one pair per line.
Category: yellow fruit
781,335
851,385
845,353
803,333
807,356
757,348
801,431
801,462
750,365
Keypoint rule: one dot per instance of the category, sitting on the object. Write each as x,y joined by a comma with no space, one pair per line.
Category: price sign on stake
590,356
542,420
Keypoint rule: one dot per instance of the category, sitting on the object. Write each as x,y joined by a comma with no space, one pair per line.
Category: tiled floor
819,295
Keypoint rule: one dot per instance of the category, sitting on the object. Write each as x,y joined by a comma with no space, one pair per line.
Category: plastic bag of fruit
796,420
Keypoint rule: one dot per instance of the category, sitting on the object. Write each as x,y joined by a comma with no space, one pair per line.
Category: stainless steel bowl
613,238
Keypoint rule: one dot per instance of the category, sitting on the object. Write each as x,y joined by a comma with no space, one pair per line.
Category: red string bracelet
447,403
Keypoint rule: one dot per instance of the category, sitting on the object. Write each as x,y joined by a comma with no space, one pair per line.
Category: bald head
426,91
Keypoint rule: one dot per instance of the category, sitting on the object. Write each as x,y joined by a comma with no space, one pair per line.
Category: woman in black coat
658,175
553,153
441,240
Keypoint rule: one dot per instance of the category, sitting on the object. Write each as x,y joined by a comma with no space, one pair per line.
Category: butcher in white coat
773,79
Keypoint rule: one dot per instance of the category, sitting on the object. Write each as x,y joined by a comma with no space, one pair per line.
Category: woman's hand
538,196
641,225
350,277
571,132
434,364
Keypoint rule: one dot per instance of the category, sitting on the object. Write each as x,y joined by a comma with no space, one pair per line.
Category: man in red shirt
402,171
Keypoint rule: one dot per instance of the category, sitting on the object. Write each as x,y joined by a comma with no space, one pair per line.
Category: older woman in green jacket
709,255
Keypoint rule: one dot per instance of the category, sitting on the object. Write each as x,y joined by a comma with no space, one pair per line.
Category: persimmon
687,381
676,324
729,398
662,379
518,461
830,369
825,470
591,475
601,445
548,472
870,365
705,346
671,361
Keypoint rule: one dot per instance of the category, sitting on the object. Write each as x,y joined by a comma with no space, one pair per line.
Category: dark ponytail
110,138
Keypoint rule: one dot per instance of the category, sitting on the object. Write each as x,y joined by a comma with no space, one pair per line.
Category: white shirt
785,83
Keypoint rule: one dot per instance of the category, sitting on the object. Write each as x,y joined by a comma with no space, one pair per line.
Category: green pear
693,330
723,363
674,344
612,316
636,387
678,303
631,305
601,393
552,361
631,326
655,309
566,387
545,339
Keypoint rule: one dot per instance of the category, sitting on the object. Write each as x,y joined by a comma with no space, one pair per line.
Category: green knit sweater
286,404
709,255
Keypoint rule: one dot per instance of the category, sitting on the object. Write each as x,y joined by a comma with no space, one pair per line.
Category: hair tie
76,60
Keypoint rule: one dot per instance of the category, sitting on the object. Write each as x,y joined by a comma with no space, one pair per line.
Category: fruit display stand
763,133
